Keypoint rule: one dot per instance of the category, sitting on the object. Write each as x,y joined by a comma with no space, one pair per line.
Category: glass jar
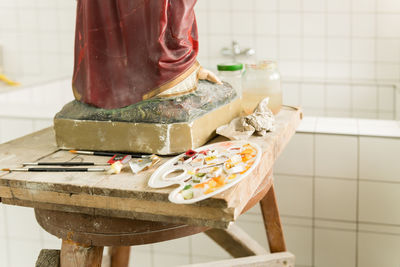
260,81
232,74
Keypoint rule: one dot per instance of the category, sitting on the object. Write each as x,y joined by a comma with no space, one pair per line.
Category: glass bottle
232,73
259,81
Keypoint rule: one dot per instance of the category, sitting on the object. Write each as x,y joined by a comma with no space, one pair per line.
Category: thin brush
54,170
108,154
64,164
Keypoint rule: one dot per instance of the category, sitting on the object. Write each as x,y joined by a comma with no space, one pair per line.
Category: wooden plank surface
272,222
127,195
236,241
79,255
283,259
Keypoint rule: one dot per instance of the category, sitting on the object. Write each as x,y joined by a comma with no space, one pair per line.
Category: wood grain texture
284,259
126,194
272,222
110,231
26,148
236,242
79,255
48,258
119,256
260,192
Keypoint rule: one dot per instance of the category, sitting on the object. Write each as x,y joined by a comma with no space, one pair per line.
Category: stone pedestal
162,126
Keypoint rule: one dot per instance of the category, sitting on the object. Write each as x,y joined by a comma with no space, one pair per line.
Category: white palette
211,170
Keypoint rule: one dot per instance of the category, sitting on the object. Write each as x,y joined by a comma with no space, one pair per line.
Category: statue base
161,126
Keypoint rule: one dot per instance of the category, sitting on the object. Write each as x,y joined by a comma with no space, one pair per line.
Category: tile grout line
254,20
325,61
375,39
190,241
278,17
357,200
302,38
394,103
152,255
334,178
351,62
18,38
7,238
341,221
313,204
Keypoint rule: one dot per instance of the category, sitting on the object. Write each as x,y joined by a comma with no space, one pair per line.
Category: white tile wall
378,202
355,191
328,149
319,177
139,257
335,248
170,259
312,96
327,203
338,97
3,232
336,125
341,34
182,245
299,242
397,105
14,128
384,167
320,223
332,178
208,247
15,247
295,195
37,37
373,100
19,229
3,252
378,249
299,147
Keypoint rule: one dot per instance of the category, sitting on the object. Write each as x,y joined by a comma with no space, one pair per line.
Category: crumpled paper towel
260,122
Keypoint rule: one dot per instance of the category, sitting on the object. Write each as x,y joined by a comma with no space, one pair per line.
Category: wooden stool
84,236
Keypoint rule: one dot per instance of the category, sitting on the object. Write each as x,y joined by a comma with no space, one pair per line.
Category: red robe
130,50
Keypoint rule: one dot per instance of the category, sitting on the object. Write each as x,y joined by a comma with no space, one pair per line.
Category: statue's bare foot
205,74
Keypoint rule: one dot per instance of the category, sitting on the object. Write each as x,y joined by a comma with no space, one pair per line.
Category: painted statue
127,51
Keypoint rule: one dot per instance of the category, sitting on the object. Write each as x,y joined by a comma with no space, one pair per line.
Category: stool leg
236,242
78,255
272,222
119,256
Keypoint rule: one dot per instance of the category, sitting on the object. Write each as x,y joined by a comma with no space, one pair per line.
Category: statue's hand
204,74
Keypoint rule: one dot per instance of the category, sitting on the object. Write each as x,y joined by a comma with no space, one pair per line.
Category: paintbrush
108,154
64,164
54,170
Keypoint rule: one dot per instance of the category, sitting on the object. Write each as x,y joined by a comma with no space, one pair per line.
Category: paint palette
207,171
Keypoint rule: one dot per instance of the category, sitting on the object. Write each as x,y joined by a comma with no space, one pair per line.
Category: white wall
349,48
337,180
37,38
328,205
344,39
338,192
374,100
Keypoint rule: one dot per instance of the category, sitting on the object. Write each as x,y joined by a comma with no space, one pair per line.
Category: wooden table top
126,195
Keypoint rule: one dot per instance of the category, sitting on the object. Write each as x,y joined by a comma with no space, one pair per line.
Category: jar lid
268,64
230,66
263,65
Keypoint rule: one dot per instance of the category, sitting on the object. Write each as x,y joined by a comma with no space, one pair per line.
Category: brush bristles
5,170
73,151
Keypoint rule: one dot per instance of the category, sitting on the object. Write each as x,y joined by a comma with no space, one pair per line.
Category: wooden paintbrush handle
64,170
